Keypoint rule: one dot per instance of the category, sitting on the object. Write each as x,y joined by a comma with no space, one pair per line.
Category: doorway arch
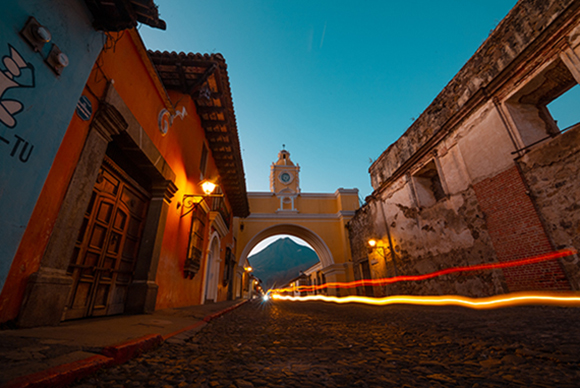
210,287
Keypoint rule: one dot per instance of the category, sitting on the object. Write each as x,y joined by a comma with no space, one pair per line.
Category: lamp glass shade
208,187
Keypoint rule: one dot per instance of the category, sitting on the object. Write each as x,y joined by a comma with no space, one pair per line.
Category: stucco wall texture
514,34
484,174
552,173
448,234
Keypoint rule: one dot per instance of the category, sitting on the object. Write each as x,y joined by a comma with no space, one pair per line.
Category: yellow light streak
505,300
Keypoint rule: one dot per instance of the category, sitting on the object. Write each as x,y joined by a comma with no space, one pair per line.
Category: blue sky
337,82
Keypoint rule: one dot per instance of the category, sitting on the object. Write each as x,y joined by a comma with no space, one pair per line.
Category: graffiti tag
17,73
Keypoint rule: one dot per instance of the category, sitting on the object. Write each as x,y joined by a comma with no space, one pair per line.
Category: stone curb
61,375
194,326
65,374
126,351
220,313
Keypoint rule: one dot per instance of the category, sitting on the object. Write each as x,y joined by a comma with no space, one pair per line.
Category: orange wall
181,147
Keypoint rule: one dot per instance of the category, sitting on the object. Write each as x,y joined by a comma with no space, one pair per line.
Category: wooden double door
107,245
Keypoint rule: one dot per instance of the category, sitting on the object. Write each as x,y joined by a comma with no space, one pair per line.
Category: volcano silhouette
281,261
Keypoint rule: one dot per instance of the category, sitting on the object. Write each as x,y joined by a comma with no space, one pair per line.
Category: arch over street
305,234
318,218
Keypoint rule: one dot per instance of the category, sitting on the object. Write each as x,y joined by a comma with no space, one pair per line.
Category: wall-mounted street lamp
374,245
248,269
191,201
384,251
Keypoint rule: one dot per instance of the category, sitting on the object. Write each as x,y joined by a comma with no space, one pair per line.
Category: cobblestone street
313,344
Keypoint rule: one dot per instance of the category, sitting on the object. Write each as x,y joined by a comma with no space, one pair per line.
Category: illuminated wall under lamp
375,246
378,247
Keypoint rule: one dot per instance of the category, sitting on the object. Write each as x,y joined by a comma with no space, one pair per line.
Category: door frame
212,273
47,289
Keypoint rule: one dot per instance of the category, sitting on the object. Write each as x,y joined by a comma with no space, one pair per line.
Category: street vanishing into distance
267,193
316,344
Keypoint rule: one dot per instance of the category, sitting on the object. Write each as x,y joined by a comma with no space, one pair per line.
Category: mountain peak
282,261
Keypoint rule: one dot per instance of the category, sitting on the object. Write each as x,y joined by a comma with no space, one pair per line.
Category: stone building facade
484,175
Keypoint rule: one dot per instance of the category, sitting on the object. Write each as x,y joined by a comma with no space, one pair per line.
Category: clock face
285,177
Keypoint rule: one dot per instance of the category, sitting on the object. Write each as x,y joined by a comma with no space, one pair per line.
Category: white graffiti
181,114
14,65
165,119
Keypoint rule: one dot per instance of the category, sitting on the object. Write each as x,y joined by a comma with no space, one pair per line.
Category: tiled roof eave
191,74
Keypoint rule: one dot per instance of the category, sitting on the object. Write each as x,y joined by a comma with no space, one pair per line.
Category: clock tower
284,181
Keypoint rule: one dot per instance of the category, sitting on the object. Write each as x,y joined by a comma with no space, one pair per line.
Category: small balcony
219,205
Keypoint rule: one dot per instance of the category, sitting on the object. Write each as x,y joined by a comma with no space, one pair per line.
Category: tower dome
284,158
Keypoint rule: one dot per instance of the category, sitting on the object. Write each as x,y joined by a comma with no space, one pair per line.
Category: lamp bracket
190,201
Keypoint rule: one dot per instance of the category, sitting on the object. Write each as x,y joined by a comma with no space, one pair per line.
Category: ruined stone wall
360,230
552,173
516,32
449,193
450,233
517,232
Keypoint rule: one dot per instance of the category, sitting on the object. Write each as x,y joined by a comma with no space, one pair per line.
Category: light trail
384,281
506,300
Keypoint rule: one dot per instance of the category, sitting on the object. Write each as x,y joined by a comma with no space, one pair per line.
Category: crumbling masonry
484,175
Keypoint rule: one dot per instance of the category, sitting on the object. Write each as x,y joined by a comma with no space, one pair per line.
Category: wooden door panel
80,301
134,227
133,201
117,302
107,246
130,247
91,261
98,235
104,212
120,220
115,241
108,183
101,297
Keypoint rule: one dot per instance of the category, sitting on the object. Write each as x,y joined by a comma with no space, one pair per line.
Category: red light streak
516,299
384,281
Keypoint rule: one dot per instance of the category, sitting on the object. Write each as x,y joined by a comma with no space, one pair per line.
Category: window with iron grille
228,267
195,247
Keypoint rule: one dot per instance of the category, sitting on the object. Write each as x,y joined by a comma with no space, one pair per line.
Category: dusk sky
337,82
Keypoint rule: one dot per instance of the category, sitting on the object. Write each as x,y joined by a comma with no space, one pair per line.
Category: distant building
485,174
122,223
315,278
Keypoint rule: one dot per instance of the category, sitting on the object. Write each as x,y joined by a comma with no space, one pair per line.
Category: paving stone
323,345
244,384
491,363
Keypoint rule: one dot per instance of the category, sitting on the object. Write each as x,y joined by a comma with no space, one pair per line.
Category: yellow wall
320,220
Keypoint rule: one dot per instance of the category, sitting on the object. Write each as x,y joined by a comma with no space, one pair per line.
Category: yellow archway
318,218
